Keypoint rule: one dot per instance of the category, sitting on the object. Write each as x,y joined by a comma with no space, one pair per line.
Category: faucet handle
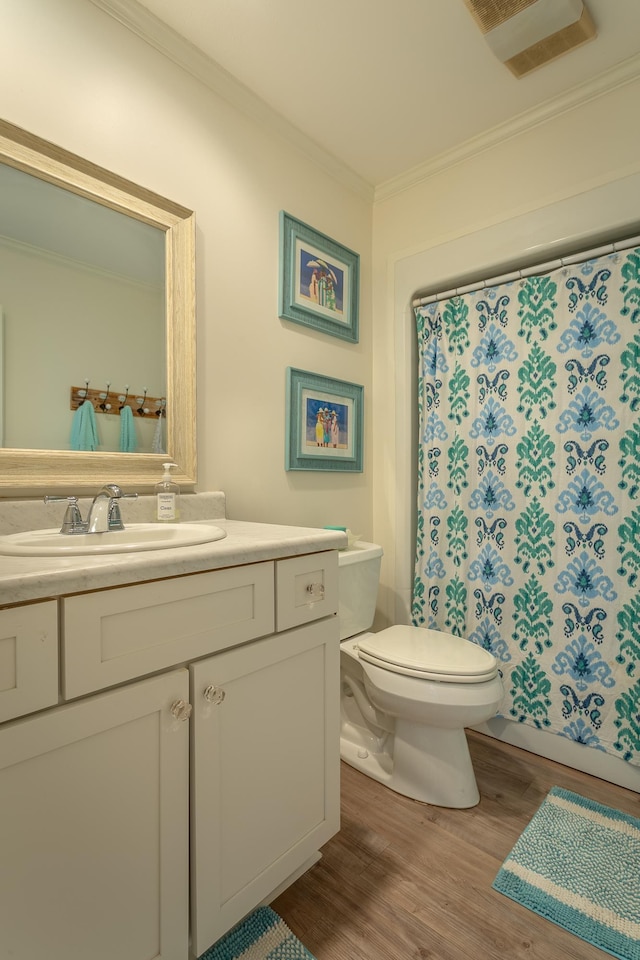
72,521
115,518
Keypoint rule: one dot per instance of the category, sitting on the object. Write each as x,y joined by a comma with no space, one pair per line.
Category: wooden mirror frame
28,472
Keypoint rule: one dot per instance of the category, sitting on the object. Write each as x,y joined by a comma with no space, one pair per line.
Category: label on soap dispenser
166,506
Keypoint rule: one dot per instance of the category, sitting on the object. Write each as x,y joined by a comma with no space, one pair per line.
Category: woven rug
577,863
263,935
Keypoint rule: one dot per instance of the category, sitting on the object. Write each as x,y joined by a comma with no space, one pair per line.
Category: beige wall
73,75
532,193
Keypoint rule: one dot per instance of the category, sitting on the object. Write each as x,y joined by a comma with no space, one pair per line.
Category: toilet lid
429,654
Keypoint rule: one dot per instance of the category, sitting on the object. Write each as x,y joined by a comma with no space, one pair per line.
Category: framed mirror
119,352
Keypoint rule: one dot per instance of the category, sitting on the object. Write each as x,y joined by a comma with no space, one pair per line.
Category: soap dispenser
167,496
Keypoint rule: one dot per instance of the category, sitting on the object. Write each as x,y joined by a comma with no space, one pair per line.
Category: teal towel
128,442
84,435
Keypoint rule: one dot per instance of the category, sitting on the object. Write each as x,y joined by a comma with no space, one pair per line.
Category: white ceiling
388,85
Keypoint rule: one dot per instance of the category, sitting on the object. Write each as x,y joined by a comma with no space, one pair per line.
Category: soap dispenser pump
167,497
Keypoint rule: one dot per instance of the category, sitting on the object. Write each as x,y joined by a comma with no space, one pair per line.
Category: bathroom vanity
169,740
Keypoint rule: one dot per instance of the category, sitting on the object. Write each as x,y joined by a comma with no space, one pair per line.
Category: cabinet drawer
306,589
28,659
117,635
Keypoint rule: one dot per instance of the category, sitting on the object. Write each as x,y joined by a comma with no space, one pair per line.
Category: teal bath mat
263,935
577,863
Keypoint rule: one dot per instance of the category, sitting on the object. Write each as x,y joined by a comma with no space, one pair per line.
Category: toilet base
434,765
428,764
376,765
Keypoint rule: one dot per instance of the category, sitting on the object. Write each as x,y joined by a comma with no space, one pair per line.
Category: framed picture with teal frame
319,280
324,423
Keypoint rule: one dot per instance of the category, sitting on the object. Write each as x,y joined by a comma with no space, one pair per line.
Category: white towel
157,444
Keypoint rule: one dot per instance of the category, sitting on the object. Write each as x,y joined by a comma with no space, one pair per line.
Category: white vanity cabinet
196,759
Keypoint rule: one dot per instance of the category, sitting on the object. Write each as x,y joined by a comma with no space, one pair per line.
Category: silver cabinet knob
181,710
214,695
315,591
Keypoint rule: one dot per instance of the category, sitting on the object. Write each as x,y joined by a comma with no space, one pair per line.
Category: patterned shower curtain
528,539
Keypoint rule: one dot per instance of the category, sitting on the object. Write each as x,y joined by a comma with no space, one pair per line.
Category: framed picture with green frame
324,423
319,280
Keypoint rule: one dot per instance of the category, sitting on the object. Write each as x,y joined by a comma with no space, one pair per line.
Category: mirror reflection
83,308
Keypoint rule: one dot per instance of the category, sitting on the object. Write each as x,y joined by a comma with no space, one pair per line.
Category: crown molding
72,263
609,80
193,61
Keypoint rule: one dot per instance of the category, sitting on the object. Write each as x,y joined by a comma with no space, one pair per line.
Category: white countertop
35,578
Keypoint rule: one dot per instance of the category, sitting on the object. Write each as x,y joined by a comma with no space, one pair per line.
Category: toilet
407,693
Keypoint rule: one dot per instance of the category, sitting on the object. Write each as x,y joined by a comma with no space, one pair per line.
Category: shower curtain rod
529,271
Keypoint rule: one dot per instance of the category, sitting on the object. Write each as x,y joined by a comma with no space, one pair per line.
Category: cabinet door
265,770
94,828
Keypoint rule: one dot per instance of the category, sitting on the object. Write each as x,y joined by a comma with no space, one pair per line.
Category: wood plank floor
406,881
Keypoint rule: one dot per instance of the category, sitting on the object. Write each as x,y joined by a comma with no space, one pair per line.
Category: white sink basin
136,536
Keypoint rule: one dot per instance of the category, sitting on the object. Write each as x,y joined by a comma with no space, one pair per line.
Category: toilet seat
428,654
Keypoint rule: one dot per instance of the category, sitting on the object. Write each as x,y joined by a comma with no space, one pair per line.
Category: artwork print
321,284
326,425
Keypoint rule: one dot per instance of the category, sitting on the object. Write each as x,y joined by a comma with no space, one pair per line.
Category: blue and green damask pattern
529,492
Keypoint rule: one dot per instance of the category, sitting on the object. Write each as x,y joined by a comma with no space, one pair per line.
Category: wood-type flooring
403,880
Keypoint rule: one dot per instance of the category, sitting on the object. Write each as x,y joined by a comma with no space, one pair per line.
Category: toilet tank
358,576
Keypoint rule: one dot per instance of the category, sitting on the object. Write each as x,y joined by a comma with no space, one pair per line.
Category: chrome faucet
104,513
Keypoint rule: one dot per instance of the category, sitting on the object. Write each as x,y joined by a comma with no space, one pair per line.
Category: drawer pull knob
315,591
213,694
181,710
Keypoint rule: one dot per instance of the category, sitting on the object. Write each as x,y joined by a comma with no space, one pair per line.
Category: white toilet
407,694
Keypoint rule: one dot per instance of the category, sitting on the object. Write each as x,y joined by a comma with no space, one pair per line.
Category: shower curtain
528,538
